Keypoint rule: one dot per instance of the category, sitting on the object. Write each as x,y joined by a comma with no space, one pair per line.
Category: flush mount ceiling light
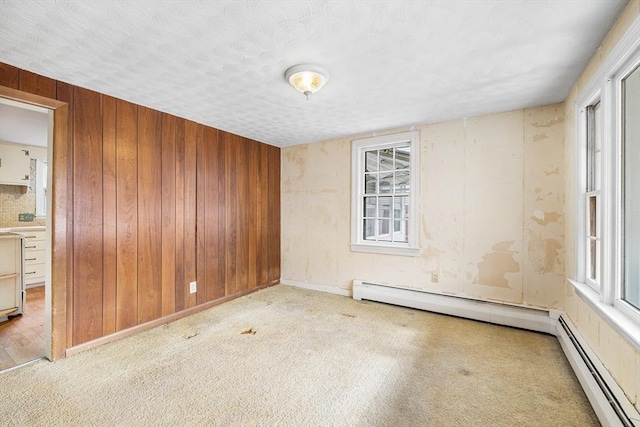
307,78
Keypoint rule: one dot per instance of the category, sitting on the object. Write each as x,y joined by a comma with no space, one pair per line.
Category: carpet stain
464,372
249,331
348,315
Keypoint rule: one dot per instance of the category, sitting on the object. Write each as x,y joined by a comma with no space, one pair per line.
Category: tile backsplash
16,199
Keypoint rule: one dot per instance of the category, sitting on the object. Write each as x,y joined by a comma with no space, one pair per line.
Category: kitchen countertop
23,228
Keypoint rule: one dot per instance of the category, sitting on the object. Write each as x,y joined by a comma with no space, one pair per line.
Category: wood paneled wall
156,202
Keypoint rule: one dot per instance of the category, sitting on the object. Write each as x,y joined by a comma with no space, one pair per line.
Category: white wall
491,211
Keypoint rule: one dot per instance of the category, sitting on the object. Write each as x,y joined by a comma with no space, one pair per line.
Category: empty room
320,212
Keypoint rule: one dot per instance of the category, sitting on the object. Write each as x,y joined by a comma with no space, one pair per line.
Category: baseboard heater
485,311
607,399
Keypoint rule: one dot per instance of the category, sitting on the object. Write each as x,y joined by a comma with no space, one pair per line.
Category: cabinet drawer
34,257
31,245
32,236
31,271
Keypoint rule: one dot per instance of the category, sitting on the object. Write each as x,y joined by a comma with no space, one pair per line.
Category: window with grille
384,188
607,210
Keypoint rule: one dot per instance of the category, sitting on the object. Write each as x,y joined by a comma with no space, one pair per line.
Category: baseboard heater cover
607,399
500,314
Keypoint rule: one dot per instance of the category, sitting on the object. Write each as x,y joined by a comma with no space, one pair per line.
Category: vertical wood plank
127,215
149,215
9,76
231,204
190,210
87,222
39,85
109,226
258,212
222,212
277,207
61,246
168,214
179,213
63,176
215,287
274,211
242,175
252,208
264,222
201,225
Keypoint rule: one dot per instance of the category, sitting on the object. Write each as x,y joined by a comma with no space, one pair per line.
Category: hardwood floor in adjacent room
22,337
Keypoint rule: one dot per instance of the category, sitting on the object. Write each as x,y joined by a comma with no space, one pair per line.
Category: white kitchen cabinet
34,256
15,166
11,284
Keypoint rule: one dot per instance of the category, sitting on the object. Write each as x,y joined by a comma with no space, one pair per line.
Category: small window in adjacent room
384,184
593,179
41,187
631,188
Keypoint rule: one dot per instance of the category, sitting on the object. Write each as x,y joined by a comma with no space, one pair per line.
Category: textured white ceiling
392,63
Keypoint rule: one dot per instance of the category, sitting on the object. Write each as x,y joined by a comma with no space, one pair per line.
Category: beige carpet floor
309,359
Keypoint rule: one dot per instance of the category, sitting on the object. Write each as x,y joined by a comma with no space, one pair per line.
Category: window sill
382,249
626,327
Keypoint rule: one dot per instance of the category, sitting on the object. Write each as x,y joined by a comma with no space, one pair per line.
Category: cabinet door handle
29,247
30,272
29,259
30,237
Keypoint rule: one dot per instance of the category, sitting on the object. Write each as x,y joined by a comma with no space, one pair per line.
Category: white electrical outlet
192,287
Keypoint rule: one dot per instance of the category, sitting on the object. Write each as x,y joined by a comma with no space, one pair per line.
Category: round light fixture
307,78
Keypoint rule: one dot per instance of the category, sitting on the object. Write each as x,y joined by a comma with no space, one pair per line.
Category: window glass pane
594,136
41,187
384,233
401,207
593,207
386,159
401,231
597,137
371,161
384,207
631,188
385,182
370,207
402,157
593,259
402,182
370,183
369,229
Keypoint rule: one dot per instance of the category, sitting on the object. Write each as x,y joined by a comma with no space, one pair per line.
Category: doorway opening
45,284
25,137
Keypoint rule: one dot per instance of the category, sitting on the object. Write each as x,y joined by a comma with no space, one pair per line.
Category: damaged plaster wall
491,211
617,354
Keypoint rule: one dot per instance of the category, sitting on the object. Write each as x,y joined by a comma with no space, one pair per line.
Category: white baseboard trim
314,287
500,314
601,389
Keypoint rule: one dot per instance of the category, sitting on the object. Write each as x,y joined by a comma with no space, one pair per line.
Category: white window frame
588,184
606,86
358,148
